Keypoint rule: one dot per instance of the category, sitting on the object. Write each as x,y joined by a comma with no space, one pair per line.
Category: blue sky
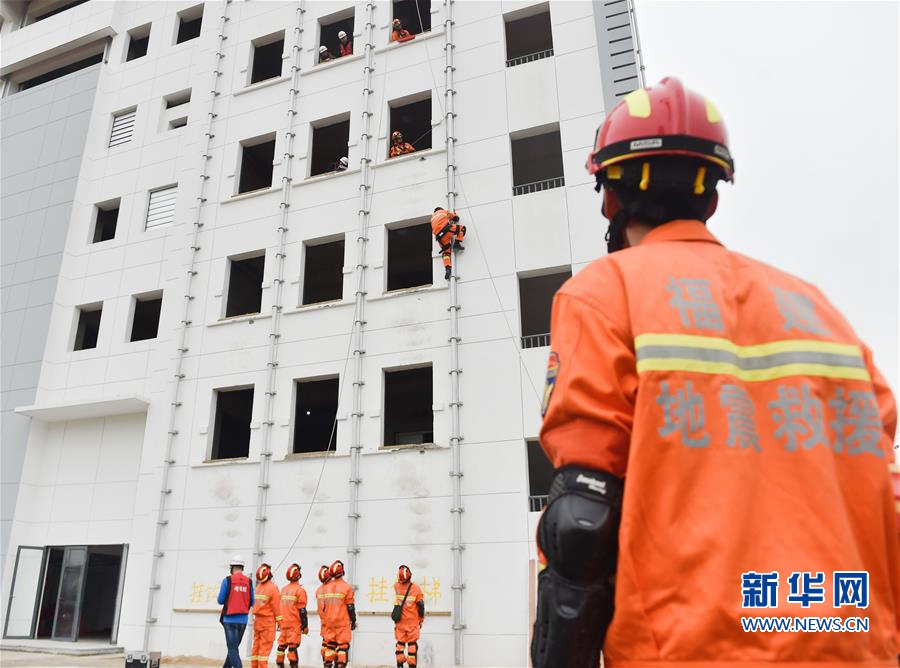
809,93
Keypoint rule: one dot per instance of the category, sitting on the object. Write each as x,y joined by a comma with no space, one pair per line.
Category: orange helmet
396,136
293,573
324,574
263,573
404,575
665,119
337,569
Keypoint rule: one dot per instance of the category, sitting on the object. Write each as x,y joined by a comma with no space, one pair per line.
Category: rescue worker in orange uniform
408,595
398,146
329,646
345,45
448,234
399,33
266,617
294,622
747,417
338,612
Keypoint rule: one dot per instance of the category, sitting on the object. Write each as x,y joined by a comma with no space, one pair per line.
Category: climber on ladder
448,234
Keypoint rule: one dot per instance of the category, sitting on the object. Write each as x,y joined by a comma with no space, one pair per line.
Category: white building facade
217,344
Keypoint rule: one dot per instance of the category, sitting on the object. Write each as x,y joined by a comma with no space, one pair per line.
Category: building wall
43,131
405,496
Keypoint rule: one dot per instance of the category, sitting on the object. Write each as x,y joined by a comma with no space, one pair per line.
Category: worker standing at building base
448,234
329,646
338,611
294,623
236,599
748,418
266,617
408,616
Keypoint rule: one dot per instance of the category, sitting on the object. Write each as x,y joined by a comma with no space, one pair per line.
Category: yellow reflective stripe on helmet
760,362
712,114
638,103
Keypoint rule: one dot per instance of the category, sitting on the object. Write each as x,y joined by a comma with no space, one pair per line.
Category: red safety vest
238,601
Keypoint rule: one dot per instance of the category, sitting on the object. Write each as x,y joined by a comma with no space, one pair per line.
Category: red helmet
404,575
263,573
337,569
324,574
293,573
665,119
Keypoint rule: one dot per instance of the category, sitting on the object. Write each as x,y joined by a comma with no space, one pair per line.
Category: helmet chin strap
615,233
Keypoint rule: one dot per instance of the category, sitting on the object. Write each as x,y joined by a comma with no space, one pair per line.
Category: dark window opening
176,123
145,324
540,476
530,38
315,429
256,166
178,99
88,327
414,15
245,286
61,71
101,588
267,61
537,163
138,42
58,10
105,225
409,257
328,35
535,303
329,145
189,24
323,272
413,121
231,432
408,413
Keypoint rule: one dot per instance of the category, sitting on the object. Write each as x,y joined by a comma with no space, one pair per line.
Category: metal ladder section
359,320
638,53
182,350
456,473
265,455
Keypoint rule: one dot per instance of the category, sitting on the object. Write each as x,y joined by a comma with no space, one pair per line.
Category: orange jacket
336,596
293,600
754,434
320,605
440,219
401,35
410,617
401,149
267,608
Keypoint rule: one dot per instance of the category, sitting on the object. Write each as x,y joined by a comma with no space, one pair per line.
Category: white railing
537,186
537,503
535,341
512,62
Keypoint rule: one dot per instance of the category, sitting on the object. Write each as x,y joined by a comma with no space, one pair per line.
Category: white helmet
341,34
237,561
323,49
343,161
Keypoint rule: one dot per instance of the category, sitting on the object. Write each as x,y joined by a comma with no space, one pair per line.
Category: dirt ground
10,659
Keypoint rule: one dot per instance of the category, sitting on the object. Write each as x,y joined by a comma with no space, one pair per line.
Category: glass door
68,600
23,598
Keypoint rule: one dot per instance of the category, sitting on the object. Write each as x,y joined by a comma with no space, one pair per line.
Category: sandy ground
10,659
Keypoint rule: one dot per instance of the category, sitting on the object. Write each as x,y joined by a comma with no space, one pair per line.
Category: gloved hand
353,626
305,630
455,219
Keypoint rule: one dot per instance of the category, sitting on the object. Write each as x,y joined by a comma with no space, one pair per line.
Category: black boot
447,273
458,245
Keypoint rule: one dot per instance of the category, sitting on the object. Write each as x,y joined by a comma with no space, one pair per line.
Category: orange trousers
288,641
445,241
263,639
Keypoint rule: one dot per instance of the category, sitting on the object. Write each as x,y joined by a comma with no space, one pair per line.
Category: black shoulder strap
406,594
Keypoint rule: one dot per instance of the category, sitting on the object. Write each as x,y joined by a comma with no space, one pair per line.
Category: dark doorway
81,593
408,413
